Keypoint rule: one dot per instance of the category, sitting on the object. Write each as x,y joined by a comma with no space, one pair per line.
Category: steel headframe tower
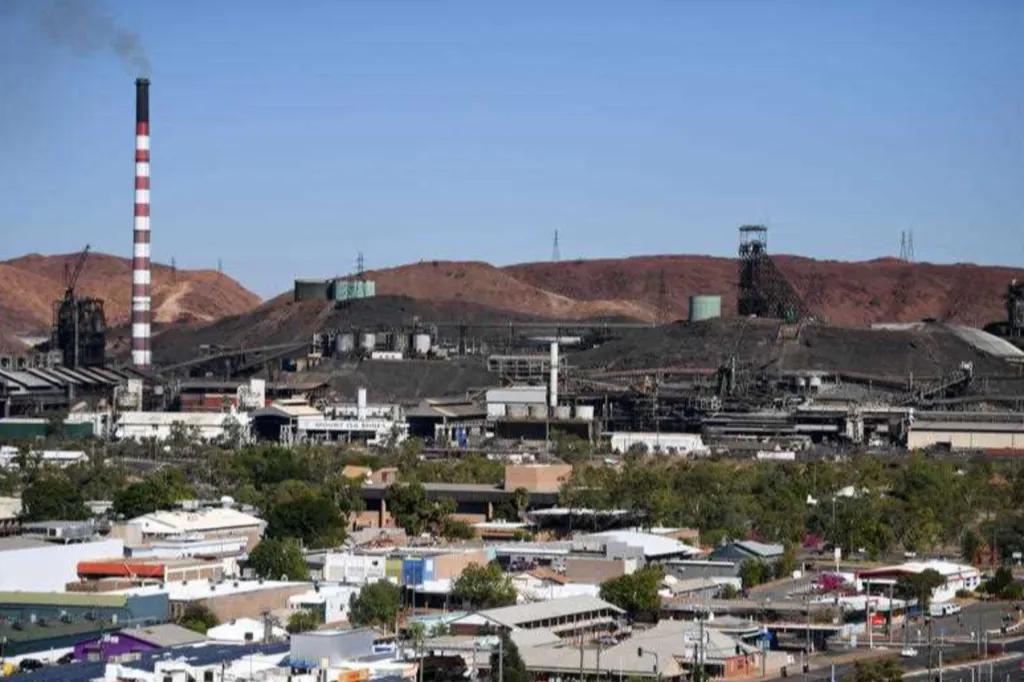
141,270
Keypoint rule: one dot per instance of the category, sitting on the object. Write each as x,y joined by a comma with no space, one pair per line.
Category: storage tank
496,410
399,342
421,344
368,341
346,342
815,383
516,411
311,290
585,412
563,412
705,308
538,411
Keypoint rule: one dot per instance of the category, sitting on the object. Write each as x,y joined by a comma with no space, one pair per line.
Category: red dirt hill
848,293
29,285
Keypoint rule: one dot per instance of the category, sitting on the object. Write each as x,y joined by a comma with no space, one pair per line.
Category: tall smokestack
553,387
141,280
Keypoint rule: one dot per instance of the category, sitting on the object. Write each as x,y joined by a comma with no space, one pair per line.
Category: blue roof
202,655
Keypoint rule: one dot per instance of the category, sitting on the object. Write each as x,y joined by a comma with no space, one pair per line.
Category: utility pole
501,660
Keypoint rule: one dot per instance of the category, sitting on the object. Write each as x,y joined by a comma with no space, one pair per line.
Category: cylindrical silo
538,411
346,342
368,341
421,343
585,412
563,412
705,308
516,411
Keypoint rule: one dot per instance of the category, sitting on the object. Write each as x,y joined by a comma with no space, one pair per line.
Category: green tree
970,545
159,491
303,621
636,593
729,591
52,498
376,604
884,670
198,618
507,659
920,586
409,506
787,563
483,587
754,572
276,559
309,516
999,583
457,529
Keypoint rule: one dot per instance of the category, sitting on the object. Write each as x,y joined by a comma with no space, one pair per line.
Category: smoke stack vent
141,278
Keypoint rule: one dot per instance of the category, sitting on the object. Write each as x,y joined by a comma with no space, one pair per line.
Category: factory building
295,421
967,431
161,426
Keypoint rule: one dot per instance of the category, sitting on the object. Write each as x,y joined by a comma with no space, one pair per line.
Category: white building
354,569
329,601
292,421
208,524
671,443
30,565
958,576
133,425
243,631
59,458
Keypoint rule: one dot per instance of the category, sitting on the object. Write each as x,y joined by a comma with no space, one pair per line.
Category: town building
135,640
38,621
566,617
245,631
957,577
36,565
228,599
209,524
738,551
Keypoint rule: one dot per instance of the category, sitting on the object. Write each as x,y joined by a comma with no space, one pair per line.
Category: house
739,551
135,640
565,617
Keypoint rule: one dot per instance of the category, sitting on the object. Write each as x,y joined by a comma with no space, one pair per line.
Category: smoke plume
85,28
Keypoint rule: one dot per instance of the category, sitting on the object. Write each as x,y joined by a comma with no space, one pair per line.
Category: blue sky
289,136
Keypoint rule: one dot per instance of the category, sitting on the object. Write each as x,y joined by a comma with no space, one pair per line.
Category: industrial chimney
553,386
141,280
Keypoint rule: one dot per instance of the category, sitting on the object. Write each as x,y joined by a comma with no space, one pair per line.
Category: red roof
120,569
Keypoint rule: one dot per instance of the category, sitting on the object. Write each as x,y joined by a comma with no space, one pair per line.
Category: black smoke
84,27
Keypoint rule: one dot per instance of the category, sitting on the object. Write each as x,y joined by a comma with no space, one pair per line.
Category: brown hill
848,293
29,285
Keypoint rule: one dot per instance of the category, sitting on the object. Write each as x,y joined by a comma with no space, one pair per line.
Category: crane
71,276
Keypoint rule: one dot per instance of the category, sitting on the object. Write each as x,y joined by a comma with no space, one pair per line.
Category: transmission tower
556,254
907,246
360,266
174,271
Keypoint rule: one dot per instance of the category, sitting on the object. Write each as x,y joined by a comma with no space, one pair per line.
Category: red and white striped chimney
141,281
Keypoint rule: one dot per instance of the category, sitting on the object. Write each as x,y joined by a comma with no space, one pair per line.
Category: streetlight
640,652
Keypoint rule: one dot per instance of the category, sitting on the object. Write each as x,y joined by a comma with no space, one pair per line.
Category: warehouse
36,565
967,431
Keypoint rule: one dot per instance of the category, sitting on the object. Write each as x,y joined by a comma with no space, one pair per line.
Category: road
999,670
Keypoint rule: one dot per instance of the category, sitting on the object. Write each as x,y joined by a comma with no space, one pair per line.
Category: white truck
942,610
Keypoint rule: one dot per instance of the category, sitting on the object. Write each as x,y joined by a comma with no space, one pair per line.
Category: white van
942,610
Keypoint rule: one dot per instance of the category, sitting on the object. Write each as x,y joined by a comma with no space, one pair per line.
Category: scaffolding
763,290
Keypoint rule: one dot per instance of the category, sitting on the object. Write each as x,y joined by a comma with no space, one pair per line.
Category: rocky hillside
848,293
29,285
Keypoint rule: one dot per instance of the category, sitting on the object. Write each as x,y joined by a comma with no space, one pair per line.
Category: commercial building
37,621
119,574
738,551
209,524
627,544
355,569
160,426
135,640
329,602
292,421
244,631
39,566
10,516
227,599
957,576
565,617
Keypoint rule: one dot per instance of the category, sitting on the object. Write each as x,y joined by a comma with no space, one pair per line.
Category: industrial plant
763,374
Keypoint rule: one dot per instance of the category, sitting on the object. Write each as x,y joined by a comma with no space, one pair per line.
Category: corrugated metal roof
519,614
64,599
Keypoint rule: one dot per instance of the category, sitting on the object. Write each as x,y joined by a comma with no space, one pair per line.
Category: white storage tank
585,412
563,412
496,410
517,411
346,342
815,383
538,411
368,341
421,343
